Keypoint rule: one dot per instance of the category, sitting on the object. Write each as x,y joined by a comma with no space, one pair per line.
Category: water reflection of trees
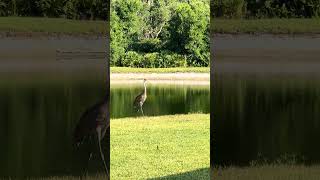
266,116
161,100
36,125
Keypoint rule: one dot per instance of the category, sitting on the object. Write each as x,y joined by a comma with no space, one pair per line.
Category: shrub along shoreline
160,70
265,8
160,34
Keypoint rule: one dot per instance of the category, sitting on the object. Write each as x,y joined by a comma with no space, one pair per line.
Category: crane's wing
137,100
86,124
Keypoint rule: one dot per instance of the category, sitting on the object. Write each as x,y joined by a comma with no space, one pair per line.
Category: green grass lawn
273,26
159,70
268,172
65,26
52,25
166,147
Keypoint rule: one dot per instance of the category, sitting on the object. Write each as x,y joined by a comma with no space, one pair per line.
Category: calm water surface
266,117
161,99
41,101
37,119
266,105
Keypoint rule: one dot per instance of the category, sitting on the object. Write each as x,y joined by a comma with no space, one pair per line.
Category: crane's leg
101,153
104,132
87,167
141,110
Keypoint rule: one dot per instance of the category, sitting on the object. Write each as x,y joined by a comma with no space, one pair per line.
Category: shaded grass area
266,26
160,70
268,172
162,146
91,177
52,25
196,174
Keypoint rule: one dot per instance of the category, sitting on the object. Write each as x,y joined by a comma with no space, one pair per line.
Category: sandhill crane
94,123
141,98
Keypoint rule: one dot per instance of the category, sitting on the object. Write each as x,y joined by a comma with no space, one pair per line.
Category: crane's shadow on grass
203,173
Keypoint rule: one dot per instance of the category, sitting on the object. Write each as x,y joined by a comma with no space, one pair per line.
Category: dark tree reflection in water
37,119
258,116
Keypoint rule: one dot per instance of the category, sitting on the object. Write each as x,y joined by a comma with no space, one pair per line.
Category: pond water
266,117
41,102
265,106
162,99
37,120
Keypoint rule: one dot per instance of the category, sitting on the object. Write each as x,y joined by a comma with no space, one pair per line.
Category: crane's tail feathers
78,142
76,145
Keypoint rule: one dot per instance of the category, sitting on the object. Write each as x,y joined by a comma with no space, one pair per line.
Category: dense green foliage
71,9
265,8
159,33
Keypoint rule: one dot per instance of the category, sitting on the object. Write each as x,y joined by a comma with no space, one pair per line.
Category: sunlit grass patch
161,146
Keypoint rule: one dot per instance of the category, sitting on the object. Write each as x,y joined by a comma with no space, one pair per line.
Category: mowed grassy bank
265,26
52,25
268,172
173,146
160,70
224,26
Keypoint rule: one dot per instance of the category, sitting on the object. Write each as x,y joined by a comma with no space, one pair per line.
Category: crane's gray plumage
141,98
94,122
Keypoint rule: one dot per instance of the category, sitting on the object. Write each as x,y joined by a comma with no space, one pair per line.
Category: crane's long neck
145,88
